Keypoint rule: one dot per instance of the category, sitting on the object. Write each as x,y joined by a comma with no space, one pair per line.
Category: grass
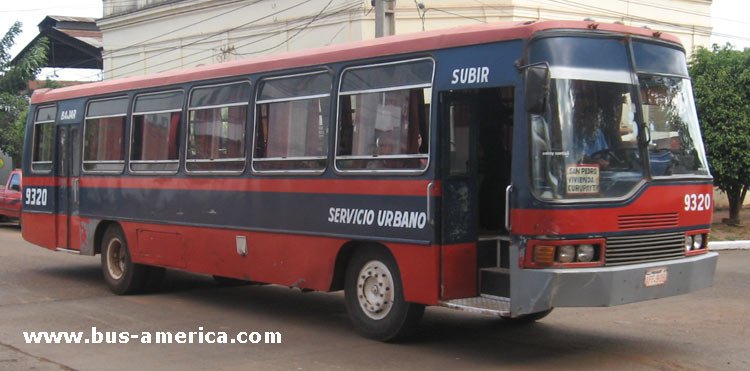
724,232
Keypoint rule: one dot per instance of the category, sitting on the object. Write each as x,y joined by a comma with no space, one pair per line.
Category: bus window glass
460,117
104,132
676,147
292,125
44,138
216,133
587,145
383,126
155,132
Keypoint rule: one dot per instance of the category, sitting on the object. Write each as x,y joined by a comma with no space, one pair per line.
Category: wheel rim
115,258
375,289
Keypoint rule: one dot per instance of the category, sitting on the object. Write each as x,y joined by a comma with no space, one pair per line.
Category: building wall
148,36
196,32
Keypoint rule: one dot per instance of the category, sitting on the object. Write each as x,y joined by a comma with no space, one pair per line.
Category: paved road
41,290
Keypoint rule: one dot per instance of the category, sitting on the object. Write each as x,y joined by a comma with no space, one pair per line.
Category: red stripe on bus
322,186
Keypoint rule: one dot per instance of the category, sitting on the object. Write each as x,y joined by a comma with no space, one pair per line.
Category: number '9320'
697,202
36,197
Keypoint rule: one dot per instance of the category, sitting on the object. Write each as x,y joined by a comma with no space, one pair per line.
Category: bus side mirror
537,88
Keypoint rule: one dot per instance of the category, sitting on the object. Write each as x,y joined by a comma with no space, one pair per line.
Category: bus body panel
656,207
292,260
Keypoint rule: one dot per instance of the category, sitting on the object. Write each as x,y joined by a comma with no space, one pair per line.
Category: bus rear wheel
374,297
121,274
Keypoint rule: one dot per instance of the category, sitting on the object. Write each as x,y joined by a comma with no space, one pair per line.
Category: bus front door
477,124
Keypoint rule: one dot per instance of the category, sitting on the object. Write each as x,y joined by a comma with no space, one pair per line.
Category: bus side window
217,117
292,116
384,117
104,136
154,143
44,138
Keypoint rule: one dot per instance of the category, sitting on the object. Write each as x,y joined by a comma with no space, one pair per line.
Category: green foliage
721,81
13,90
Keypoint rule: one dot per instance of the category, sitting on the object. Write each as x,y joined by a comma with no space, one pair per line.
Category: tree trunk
736,196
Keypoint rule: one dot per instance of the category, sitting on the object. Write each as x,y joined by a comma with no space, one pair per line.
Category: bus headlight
585,253
697,241
566,254
688,243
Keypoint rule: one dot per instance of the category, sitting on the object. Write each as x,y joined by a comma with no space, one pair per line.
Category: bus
504,169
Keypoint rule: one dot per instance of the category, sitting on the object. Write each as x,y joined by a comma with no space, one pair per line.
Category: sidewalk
728,245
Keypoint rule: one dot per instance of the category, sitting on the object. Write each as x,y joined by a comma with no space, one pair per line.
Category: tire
121,275
528,318
374,297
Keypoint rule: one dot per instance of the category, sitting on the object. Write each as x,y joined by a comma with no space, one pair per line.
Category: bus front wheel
374,297
121,274
528,318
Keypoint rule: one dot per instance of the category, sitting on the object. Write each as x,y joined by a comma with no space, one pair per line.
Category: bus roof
392,45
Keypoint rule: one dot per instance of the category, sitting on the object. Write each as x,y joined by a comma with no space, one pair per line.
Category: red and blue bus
505,169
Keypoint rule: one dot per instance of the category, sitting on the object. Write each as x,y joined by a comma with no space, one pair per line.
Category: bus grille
648,221
623,250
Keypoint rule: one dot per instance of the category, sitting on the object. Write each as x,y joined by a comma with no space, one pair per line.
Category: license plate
655,277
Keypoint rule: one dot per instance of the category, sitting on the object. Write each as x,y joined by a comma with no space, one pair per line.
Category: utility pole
385,19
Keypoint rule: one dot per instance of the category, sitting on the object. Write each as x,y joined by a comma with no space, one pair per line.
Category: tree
14,80
721,81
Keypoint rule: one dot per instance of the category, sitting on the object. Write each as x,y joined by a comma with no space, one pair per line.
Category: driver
590,138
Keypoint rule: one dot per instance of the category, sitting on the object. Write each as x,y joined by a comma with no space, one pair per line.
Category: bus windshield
587,144
675,147
604,132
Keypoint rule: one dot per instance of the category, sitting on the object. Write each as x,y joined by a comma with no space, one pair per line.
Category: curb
729,245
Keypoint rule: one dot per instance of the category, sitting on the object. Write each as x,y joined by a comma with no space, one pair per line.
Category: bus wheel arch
101,228
342,261
374,295
120,273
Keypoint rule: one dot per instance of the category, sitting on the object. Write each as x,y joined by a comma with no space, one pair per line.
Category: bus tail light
696,242
564,253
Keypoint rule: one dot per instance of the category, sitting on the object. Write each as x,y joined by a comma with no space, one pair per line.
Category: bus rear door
67,173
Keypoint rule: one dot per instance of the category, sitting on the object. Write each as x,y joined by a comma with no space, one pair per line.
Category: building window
44,139
156,125
292,123
383,119
217,117
104,132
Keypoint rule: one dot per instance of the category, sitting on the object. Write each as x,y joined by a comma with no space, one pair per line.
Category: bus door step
494,281
481,304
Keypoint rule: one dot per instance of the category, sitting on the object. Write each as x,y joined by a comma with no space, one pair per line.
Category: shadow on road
484,340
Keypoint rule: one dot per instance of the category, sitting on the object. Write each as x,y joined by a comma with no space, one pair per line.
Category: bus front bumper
540,289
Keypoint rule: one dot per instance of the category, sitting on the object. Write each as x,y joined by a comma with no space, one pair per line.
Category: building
149,36
74,42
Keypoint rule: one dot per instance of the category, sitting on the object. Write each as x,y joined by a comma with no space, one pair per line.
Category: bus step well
494,282
493,263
